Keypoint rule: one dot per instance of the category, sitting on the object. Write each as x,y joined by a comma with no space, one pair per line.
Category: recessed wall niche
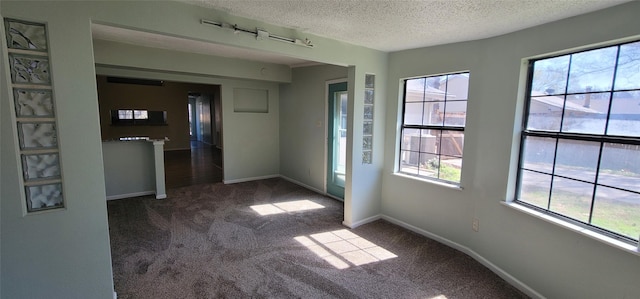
34,104
246,100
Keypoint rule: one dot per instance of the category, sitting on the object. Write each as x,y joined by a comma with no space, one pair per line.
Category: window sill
576,228
434,182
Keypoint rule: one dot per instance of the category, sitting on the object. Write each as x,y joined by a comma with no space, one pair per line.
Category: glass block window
29,69
26,35
580,147
35,114
33,103
434,118
367,123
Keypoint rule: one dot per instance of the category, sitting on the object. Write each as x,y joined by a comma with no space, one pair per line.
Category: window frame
441,128
133,113
600,140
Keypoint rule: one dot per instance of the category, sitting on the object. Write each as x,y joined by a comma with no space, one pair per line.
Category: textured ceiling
391,25
386,25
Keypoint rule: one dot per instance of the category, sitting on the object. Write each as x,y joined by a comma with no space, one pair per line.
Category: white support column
158,157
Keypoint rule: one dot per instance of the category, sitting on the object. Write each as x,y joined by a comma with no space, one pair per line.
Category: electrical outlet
476,224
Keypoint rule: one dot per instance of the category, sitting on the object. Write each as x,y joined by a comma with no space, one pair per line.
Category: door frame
326,133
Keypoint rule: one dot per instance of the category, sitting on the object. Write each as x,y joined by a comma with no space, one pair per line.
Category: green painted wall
129,168
551,260
131,56
303,124
302,142
62,253
555,262
364,181
4,96
78,236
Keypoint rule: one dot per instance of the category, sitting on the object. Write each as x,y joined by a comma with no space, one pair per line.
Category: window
580,147
125,114
128,117
434,115
140,114
133,114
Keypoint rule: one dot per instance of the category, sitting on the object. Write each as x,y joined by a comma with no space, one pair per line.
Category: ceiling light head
261,34
306,42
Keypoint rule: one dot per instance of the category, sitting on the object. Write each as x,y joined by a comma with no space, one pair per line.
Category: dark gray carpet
211,241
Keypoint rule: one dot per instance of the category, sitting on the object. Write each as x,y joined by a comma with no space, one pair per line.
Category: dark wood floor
202,164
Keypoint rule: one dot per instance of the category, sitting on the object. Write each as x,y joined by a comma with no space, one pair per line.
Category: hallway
202,164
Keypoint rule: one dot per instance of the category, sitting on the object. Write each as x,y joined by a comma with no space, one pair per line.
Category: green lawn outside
614,215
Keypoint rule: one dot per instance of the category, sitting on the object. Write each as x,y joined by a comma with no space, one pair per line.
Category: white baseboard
161,196
303,185
361,222
134,194
115,295
257,178
497,270
332,196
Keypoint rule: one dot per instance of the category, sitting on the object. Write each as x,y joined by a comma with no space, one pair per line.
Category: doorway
201,162
200,124
336,138
205,120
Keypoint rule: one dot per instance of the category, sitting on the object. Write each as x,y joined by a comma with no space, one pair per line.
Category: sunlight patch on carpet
287,206
342,248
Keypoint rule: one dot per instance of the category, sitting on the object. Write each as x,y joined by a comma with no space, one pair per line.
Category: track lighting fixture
260,34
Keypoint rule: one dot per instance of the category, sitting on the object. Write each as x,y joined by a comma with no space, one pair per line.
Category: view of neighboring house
587,112
437,101
584,113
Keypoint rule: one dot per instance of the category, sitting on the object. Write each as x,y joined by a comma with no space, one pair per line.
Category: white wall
555,262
